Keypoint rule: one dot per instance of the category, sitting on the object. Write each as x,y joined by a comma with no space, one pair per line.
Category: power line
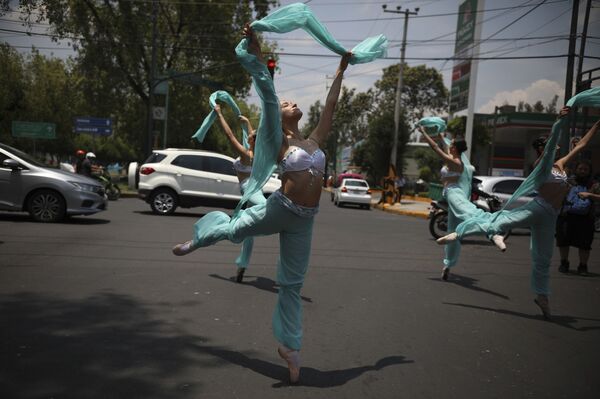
443,14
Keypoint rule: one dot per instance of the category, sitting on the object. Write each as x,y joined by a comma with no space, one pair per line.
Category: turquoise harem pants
295,235
460,208
244,258
541,219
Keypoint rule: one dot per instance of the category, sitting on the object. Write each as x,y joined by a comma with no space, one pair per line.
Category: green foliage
482,136
429,164
538,106
113,64
110,75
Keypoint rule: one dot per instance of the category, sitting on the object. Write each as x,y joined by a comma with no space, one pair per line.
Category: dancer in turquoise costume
243,169
456,175
550,181
290,211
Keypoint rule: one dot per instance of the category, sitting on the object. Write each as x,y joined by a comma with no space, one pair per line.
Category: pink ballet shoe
183,249
447,238
292,358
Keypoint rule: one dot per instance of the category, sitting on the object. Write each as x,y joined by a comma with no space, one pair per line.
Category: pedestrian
288,212
456,176
575,224
550,181
243,169
399,183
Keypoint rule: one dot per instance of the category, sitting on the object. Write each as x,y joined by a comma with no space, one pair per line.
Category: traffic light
271,64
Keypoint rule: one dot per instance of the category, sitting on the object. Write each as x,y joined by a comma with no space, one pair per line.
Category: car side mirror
11,163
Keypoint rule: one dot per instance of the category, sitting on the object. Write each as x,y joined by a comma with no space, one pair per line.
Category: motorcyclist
86,165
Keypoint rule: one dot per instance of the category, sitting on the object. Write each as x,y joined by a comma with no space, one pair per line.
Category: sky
539,30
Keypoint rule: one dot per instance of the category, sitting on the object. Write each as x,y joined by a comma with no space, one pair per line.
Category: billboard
463,48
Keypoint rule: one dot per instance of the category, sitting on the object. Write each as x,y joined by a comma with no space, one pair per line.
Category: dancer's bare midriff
302,187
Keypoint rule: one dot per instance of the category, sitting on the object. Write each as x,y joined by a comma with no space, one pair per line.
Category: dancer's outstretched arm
580,145
443,154
324,126
244,153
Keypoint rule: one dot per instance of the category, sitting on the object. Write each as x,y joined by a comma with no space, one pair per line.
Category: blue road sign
99,126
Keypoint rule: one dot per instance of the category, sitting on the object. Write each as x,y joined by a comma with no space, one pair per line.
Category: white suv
178,177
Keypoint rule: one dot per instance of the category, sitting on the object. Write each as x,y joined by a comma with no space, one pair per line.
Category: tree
114,44
481,135
538,106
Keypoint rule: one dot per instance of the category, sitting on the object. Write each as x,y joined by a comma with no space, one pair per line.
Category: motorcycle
438,213
113,192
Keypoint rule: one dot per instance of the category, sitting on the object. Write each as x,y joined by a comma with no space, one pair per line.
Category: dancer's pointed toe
498,240
445,273
543,303
292,358
183,249
447,238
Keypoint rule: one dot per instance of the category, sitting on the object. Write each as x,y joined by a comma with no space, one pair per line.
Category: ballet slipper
445,273
447,238
183,249
542,302
292,358
498,240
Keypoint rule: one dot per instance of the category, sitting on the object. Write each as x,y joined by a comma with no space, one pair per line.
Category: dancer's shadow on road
262,283
561,320
309,377
470,283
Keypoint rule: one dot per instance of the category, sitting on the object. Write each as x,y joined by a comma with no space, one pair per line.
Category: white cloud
543,90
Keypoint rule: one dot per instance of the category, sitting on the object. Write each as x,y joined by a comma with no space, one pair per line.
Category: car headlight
92,188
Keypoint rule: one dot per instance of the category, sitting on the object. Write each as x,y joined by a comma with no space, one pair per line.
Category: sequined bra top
557,177
297,159
241,168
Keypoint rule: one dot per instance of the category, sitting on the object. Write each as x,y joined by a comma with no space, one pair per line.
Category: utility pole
151,83
407,13
565,138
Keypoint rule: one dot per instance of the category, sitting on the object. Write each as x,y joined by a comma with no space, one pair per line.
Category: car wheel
163,201
46,206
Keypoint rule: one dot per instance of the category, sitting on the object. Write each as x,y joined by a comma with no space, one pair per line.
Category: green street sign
34,130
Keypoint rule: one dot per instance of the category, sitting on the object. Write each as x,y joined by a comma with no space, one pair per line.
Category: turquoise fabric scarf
225,97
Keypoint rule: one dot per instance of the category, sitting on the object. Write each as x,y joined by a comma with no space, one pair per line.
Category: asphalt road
98,307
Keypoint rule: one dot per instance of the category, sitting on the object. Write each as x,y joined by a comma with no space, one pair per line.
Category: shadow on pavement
110,345
561,320
309,377
469,283
262,283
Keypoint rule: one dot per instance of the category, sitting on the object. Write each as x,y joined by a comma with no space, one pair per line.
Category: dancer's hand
217,109
564,112
253,43
344,62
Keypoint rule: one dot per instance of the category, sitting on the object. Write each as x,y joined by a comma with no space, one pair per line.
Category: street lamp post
407,13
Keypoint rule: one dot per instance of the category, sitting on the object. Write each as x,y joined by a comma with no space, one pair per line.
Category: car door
226,182
11,186
504,189
192,177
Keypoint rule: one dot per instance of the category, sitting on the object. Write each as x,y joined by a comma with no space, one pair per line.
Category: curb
418,214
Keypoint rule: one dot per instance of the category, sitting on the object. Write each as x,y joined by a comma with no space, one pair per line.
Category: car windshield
355,183
25,157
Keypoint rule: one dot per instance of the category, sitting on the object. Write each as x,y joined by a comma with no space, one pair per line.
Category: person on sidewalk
399,183
550,181
243,169
575,224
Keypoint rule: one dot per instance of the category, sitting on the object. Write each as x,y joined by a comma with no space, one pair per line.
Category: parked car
341,177
353,191
48,194
502,187
174,178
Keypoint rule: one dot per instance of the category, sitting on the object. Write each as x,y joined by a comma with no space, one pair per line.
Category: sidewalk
410,206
